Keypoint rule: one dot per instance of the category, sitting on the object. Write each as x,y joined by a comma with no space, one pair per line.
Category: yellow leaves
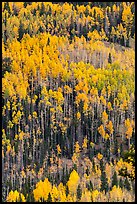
23,174
124,105
99,156
21,135
14,196
67,89
78,115
109,106
116,194
94,79
4,110
8,105
10,124
62,192
127,123
84,145
103,35
73,182
94,91
19,114
125,165
45,92
116,101
17,117
58,149
33,172
35,114
92,144
41,64
42,190
127,16
29,117
101,131
85,107
52,110
106,136
15,84
103,100
75,158
54,193
86,196
129,132
129,128
59,109
95,194
81,97
8,148
58,96
79,86
77,147
2,153
71,198
94,36
109,126
104,117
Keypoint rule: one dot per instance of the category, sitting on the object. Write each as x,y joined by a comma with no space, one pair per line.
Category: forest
68,101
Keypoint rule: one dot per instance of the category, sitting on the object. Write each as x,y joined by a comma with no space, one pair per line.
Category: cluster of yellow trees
77,189
67,103
116,20
50,98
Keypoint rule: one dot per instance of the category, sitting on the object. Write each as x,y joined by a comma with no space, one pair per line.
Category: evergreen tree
121,183
42,10
114,179
48,41
67,190
104,182
63,180
90,186
102,168
49,198
6,65
87,171
21,30
7,7
110,58
93,163
75,167
128,156
25,4
127,184
116,147
41,30
79,192
67,173
121,149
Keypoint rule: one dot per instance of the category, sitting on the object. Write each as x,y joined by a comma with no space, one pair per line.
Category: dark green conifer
79,192
110,58
114,179
49,198
104,182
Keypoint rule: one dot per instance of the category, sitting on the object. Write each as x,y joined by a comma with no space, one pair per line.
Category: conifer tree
127,184
49,198
79,192
104,182
114,179
121,183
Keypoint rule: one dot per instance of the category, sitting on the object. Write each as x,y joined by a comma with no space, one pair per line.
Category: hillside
68,102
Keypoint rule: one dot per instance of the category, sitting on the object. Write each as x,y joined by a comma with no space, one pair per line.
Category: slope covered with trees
68,129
